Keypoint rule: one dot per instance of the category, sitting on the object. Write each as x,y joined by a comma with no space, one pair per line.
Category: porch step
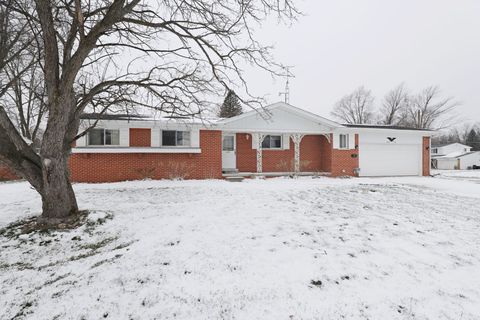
229,171
235,178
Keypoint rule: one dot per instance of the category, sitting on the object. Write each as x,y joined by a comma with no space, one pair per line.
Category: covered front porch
278,140
273,153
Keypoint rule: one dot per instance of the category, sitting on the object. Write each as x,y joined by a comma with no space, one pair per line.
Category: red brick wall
6,174
326,154
140,137
246,156
278,160
315,154
105,167
312,153
426,156
345,161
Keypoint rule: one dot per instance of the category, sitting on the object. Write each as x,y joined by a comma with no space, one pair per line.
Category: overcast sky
342,44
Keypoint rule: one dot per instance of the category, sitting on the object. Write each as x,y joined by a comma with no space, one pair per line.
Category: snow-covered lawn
386,248
461,174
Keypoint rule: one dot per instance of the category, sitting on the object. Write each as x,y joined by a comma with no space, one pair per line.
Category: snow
457,174
306,248
452,155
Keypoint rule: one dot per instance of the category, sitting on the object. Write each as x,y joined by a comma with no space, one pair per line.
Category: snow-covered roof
380,126
451,144
265,112
279,117
134,117
455,155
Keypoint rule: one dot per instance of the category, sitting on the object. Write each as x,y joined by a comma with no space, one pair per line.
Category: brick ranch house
281,139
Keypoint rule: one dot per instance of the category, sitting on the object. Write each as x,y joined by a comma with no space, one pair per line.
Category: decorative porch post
297,138
259,137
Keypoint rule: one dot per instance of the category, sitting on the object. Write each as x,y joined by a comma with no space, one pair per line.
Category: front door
229,154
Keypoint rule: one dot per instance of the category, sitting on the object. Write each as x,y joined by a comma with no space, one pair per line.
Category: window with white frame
343,141
174,138
228,143
272,142
103,137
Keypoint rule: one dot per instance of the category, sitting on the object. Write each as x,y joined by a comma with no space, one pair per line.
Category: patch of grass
97,245
316,283
124,245
91,224
49,282
39,225
93,249
23,310
99,263
18,265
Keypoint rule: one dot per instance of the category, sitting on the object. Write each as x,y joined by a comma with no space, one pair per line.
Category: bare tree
25,100
429,111
98,55
395,106
356,107
15,38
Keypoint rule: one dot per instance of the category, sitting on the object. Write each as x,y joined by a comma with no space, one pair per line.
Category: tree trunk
58,198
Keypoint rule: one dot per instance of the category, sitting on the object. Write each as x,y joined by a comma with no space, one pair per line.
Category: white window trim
347,141
104,145
276,148
109,149
176,146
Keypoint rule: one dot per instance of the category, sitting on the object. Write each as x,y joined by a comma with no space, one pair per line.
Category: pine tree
231,106
473,139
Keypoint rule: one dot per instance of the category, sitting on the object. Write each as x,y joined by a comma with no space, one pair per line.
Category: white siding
466,162
82,142
124,136
286,141
351,141
336,141
276,120
156,131
446,164
195,138
155,139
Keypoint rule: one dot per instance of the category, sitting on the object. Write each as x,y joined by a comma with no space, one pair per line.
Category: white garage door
390,160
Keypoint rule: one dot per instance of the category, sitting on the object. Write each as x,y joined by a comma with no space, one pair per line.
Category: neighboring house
279,139
438,151
454,156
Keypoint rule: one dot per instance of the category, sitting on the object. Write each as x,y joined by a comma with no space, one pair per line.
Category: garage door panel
390,160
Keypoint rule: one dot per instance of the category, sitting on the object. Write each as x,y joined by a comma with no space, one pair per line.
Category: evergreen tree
231,106
473,140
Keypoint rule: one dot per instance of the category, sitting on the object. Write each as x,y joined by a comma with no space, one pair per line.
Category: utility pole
288,75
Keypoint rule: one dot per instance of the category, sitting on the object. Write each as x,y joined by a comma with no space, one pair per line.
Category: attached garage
387,152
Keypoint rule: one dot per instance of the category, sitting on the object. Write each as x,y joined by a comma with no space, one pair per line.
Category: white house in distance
454,156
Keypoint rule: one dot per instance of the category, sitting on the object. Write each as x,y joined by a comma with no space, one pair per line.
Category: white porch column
259,139
297,138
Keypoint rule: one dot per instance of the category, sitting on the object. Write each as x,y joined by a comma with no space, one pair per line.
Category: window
172,138
344,141
104,137
434,150
228,143
272,142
